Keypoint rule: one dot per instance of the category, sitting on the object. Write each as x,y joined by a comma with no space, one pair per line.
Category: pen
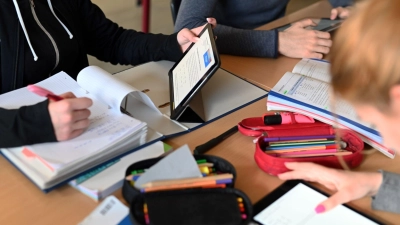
297,138
203,148
44,92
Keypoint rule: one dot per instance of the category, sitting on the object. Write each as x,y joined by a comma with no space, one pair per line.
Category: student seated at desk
365,72
41,38
237,18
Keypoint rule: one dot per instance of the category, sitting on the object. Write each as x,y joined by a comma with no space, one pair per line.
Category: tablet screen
297,207
192,67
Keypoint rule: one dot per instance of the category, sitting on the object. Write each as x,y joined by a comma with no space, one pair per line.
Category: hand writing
69,116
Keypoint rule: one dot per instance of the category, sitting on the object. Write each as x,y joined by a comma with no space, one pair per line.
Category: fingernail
320,209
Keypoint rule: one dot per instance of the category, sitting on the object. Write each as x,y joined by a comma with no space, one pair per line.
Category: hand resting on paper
70,116
298,42
186,36
347,185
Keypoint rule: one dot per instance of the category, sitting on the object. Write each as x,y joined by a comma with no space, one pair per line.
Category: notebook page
105,130
106,126
316,69
58,84
109,89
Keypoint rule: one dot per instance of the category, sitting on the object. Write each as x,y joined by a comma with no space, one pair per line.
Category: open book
306,90
110,134
52,164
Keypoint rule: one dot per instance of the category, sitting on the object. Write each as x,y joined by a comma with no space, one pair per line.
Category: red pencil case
275,165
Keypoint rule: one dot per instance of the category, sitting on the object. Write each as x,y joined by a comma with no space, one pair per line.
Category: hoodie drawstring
21,21
65,28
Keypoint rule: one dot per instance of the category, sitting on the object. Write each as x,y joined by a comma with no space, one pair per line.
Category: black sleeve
26,125
343,3
231,40
111,43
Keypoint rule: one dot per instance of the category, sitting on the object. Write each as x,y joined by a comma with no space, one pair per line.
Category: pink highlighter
287,118
44,92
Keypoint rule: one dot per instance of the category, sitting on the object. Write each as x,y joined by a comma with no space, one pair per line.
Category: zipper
16,61
47,33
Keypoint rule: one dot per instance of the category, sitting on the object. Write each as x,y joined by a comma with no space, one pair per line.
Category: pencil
197,184
187,180
314,155
322,147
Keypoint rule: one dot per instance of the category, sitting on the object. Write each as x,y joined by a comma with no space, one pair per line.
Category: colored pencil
187,180
297,138
295,141
323,147
328,146
315,155
302,143
198,184
306,152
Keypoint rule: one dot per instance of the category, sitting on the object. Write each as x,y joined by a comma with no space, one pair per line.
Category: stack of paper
110,134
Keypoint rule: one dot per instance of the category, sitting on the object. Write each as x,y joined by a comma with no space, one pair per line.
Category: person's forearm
343,3
108,42
146,47
26,125
233,41
388,196
257,43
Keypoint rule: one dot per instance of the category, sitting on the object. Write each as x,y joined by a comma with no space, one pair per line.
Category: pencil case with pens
205,206
301,142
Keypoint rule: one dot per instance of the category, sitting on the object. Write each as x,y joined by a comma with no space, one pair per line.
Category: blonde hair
366,52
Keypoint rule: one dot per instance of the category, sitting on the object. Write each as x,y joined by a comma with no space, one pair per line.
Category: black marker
203,148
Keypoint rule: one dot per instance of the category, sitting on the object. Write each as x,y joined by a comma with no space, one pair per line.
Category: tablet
323,24
192,71
294,202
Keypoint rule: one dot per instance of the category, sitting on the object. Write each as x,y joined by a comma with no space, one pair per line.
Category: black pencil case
195,206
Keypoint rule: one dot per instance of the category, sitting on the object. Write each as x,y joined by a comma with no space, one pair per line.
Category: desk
23,203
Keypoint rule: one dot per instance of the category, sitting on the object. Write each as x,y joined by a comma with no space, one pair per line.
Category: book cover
103,181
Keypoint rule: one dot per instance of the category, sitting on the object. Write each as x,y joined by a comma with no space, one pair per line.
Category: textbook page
315,93
317,69
109,89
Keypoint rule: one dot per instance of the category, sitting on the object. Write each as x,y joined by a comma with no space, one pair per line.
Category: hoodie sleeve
343,3
233,41
388,196
26,125
109,42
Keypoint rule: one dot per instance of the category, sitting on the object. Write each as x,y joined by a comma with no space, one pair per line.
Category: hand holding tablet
191,72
